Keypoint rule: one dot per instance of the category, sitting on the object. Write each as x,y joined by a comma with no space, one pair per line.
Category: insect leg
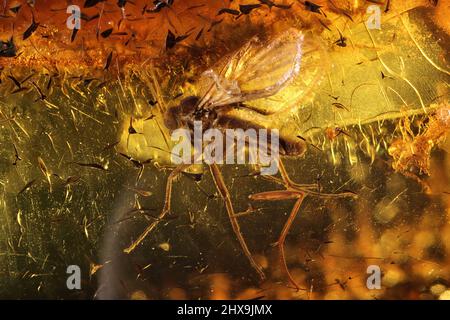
287,181
223,190
276,195
279,181
291,185
165,210
283,195
282,238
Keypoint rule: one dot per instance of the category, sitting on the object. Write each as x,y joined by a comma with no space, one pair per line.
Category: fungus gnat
257,71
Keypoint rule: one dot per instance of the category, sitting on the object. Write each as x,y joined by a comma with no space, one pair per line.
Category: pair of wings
257,70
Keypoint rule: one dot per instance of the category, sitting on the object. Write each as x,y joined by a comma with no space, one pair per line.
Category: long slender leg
283,195
293,191
289,184
287,181
165,210
223,190
276,195
308,186
282,239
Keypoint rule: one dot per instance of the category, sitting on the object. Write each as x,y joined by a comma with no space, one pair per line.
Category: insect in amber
246,91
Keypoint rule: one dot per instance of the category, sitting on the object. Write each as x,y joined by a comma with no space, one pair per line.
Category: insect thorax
184,115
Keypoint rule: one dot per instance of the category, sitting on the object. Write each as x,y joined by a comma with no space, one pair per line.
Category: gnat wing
257,70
